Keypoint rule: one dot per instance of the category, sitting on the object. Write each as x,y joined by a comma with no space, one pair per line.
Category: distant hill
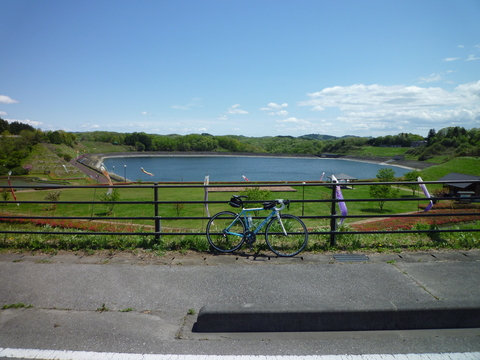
328,137
318,137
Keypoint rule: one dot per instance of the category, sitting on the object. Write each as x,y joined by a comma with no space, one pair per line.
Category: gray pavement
131,304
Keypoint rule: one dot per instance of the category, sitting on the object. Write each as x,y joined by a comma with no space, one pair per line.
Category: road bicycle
285,234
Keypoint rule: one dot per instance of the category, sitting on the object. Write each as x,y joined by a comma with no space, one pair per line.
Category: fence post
333,219
157,218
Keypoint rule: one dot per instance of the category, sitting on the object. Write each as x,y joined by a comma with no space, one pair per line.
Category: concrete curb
354,317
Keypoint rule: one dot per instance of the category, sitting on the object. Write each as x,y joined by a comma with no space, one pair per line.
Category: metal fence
155,220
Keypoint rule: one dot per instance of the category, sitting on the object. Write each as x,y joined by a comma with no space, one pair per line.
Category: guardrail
155,220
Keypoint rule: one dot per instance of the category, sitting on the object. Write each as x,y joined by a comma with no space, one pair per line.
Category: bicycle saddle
236,201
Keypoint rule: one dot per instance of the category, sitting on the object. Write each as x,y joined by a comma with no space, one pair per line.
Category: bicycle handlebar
269,205
283,204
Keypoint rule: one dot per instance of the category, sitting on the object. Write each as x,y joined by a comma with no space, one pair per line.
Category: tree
5,195
112,197
53,196
384,191
412,176
55,137
431,137
255,193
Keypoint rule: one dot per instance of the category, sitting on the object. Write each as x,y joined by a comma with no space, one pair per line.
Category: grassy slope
379,151
462,165
101,147
45,162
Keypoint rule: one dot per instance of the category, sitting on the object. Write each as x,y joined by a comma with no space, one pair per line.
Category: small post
157,218
303,199
333,219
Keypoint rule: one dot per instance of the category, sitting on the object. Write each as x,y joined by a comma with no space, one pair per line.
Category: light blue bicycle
285,235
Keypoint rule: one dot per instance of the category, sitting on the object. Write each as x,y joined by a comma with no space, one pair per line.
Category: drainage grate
350,258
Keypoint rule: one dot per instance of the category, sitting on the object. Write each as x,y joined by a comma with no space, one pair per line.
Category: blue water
194,168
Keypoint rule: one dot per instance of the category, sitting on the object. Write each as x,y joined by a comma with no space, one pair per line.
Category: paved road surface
133,306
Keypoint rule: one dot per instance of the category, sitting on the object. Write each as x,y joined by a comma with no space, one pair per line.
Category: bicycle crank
250,238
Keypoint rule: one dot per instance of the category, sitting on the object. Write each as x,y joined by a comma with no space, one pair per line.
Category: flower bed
407,223
90,226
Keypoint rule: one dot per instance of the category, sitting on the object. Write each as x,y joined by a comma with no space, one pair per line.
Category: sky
253,68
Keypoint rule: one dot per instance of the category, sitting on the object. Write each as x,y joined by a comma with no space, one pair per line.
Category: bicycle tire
216,235
291,244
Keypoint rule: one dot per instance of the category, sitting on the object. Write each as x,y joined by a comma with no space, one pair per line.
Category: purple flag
341,204
427,194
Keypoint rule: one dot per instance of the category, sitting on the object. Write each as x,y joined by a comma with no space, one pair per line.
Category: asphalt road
134,305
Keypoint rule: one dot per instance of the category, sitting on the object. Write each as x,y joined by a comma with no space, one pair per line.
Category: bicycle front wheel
290,244
225,231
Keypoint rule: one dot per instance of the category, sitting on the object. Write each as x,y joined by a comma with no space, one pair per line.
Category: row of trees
452,141
207,142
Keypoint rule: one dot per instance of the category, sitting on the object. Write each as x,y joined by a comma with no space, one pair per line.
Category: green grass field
98,209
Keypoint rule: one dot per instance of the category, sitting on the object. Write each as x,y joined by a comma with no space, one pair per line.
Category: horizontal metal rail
333,230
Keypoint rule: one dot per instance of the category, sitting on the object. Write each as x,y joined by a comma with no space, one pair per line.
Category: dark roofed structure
468,185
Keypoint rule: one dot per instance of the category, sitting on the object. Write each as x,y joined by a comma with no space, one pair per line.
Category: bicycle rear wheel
225,232
290,244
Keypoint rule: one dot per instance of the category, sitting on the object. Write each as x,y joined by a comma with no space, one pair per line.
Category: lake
231,168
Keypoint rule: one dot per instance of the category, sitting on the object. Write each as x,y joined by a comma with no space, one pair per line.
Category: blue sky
253,68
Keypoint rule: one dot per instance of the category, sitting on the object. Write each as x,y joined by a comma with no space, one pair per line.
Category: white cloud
192,130
295,121
3,113
235,109
26,121
451,59
274,106
7,100
195,102
222,117
276,109
431,78
399,107
294,125
89,126
472,57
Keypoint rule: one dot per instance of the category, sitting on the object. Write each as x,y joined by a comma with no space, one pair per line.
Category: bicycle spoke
290,244
225,232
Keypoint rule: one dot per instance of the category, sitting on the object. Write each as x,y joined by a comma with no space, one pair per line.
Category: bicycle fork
281,223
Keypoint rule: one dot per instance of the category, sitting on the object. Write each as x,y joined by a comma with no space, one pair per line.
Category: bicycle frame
245,214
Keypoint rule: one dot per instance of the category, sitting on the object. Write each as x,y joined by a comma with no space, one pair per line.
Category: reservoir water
231,168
